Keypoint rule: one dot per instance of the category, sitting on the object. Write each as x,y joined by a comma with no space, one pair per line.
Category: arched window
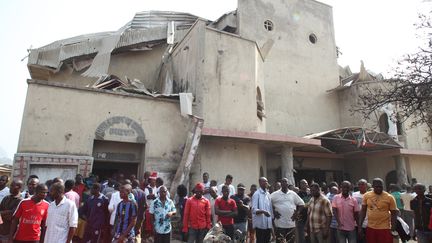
383,123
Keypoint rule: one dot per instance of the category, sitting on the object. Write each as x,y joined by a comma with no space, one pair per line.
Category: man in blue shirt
95,211
161,210
125,218
262,212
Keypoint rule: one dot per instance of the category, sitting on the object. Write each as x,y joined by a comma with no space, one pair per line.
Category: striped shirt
318,211
126,211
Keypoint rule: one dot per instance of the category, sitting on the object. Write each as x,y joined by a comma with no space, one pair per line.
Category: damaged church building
258,92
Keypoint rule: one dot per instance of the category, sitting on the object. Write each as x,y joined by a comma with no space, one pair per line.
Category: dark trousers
196,235
285,235
262,235
162,238
229,230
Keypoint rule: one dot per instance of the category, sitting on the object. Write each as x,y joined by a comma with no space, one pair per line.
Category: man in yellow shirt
381,210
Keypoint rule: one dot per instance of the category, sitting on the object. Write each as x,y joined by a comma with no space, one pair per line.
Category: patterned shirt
162,224
60,218
126,211
31,215
318,211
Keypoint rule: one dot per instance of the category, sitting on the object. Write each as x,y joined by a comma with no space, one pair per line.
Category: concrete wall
223,72
60,120
219,158
379,167
421,168
417,137
297,73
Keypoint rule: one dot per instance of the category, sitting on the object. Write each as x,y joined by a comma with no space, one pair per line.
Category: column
288,164
401,170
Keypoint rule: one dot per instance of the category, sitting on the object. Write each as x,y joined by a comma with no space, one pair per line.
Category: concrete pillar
401,170
288,164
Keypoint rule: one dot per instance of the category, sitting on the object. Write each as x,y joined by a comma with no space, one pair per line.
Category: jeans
241,227
344,235
196,235
318,237
424,236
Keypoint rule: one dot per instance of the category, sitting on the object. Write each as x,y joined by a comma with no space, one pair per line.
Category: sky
378,32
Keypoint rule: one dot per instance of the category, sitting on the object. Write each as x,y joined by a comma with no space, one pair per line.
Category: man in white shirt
407,213
285,204
228,181
262,212
62,219
206,183
358,195
4,190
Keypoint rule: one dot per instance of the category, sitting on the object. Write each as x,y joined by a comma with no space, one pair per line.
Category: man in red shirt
31,215
196,219
226,209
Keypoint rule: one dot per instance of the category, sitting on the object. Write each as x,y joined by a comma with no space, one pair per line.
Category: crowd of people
123,209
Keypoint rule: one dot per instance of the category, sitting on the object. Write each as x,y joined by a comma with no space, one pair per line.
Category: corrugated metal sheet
151,19
145,27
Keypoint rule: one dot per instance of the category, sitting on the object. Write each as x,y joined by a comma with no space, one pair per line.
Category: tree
409,88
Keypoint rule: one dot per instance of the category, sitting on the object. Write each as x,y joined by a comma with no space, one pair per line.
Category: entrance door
117,157
107,169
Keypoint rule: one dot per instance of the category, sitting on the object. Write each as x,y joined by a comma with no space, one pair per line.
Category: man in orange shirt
196,219
381,210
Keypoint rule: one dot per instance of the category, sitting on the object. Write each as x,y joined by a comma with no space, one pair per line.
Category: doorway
112,157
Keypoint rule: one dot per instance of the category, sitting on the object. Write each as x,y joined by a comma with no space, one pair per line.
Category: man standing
71,194
305,195
242,202
31,215
196,219
358,195
422,205
286,204
250,228
62,219
346,212
228,181
4,190
125,218
140,199
151,193
162,209
95,211
262,212
32,182
8,207
213,197
206,183
407,213
319,216
381,210
226,209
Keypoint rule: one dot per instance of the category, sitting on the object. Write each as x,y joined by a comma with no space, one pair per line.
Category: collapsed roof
147,28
